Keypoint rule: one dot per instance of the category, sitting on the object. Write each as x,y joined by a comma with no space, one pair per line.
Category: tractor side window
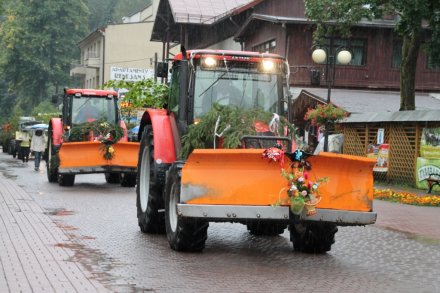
173,104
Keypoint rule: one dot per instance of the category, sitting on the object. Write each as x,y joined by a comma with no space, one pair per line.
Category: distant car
133,134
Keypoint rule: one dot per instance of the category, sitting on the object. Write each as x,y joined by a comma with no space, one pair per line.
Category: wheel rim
172,215
144,176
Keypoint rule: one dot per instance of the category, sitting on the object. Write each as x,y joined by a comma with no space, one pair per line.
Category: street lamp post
327,55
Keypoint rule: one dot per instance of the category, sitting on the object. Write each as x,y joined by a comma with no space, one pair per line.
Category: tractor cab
247,80
81,106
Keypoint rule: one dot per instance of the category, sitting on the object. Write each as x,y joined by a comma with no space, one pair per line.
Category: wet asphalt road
100,220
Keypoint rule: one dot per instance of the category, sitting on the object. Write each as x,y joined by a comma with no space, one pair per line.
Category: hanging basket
310,206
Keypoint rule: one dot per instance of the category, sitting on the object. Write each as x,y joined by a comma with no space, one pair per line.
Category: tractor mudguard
164,139
87,157
56,125
124,128
242,177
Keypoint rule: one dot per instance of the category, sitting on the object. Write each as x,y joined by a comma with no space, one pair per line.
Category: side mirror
162,69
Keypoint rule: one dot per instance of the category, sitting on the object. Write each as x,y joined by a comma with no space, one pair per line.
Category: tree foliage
112,11
39,43
417,23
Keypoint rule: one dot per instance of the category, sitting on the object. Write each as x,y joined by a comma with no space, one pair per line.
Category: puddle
58,212
99,264
418,238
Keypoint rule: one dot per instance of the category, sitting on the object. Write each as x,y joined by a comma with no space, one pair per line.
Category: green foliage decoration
106,133
242,122
146,93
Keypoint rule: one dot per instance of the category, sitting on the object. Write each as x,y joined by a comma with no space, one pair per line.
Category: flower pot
310,206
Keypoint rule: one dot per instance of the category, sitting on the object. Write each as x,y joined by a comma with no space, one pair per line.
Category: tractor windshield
243,87
89,109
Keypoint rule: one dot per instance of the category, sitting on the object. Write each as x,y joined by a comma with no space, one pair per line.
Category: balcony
92,60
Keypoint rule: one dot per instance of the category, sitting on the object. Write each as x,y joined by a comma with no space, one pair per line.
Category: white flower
293,187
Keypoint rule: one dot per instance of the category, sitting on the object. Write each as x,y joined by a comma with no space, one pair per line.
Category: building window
396,58
358,48
266,47
430,65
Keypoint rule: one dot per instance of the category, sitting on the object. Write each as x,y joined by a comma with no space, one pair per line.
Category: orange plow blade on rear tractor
79,157
244,177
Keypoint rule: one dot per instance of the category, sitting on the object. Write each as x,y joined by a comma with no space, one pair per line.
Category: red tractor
65,158
181,195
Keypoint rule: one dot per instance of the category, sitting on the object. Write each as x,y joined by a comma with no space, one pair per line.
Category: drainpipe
103,60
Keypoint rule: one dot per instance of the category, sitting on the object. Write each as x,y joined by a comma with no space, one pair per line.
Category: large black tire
52,172
128,179
66,179
149,198
112,178
265,228
312,237
187,235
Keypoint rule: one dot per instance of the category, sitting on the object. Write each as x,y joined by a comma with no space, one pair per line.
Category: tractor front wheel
66,179
128,179
149,200
52,161
312,237
183,234
112,178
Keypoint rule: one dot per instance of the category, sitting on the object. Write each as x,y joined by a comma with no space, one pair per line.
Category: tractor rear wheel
66,179
183,234
112,178
52,160
265,228
312,237
149,199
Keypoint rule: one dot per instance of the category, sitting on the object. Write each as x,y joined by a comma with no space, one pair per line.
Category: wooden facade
403,137
284,22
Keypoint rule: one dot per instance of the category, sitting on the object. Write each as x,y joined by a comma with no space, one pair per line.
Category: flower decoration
324,114
302,192
102,131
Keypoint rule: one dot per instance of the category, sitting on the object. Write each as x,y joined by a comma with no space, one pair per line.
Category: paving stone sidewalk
32,256
421,221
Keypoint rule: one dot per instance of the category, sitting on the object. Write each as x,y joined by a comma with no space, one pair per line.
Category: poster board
381,154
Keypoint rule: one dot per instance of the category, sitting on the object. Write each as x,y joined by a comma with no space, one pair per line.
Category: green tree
44,111
39,43
112,11
417,23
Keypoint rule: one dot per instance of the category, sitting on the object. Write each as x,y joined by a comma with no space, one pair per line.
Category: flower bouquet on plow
301,192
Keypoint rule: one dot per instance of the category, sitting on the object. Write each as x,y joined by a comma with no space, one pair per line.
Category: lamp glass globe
319,56
344,57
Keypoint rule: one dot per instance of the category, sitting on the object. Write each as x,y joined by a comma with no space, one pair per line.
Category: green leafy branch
142,94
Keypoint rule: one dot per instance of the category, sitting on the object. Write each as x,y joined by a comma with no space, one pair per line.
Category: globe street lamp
319,56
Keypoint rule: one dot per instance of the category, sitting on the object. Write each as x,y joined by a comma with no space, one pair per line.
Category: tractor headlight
209,62
268,65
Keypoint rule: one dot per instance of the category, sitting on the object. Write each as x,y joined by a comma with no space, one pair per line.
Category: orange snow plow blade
243,177
74,155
